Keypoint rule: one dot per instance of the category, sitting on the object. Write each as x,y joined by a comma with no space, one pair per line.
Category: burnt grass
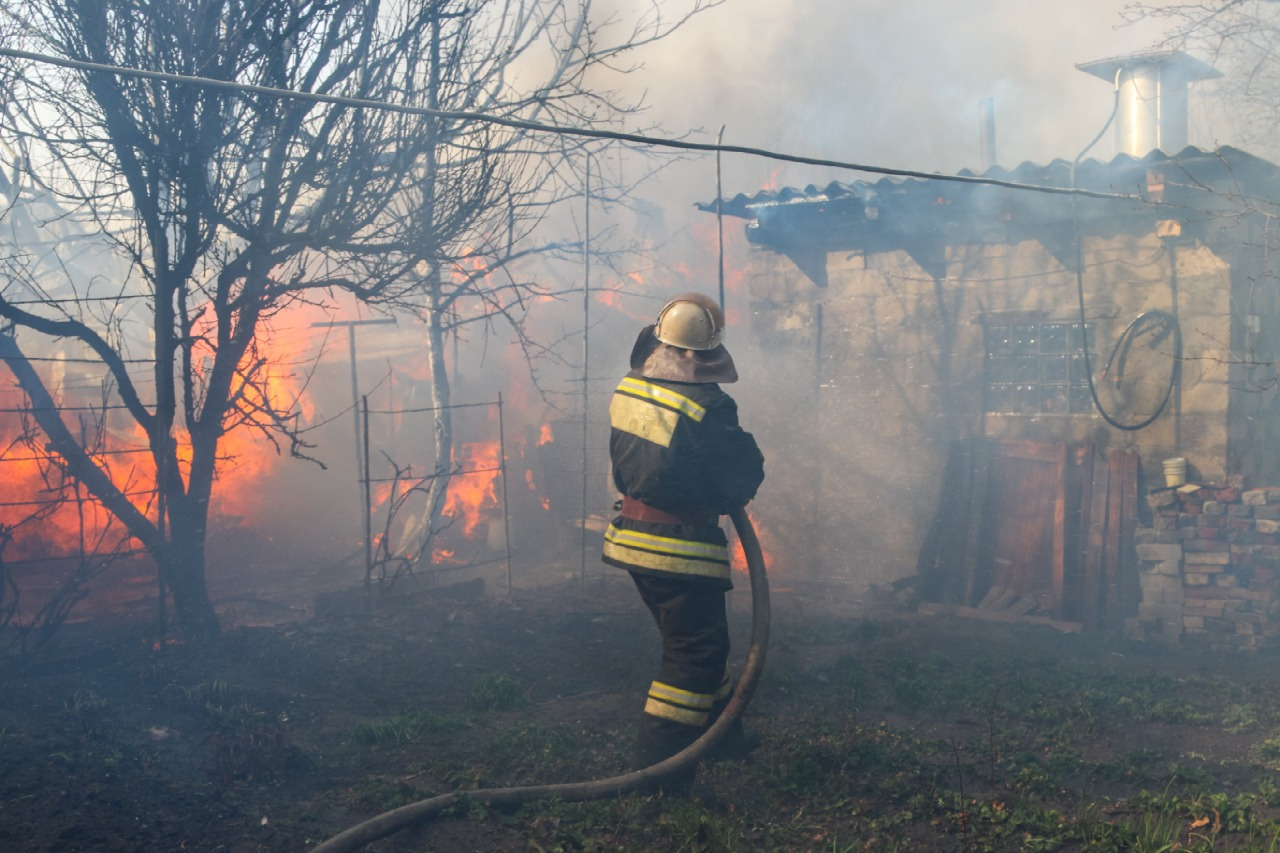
881,729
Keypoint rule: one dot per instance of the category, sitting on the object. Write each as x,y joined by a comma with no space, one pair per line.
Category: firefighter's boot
737,743
658,740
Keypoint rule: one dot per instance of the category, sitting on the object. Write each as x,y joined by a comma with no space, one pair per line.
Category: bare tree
226,205
1242,39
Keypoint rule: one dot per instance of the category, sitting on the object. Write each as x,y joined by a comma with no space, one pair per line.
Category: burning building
1039,326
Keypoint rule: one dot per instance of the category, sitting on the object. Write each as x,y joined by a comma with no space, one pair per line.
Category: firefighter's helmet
690,321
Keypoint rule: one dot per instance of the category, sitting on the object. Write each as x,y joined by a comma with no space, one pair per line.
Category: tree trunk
443,417
183,566
443,423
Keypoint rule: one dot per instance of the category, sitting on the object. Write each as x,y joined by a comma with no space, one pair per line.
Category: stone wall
869,379
1209,567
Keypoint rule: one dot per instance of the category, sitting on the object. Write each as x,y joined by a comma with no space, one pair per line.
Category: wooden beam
1060,532
1111,610
1091,589
931,609
1130,588
981,460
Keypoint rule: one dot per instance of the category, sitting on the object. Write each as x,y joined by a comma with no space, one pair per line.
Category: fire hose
408,815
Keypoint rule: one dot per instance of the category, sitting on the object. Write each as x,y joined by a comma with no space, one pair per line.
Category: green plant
1268,790
382,794
496,692
1269,750
1140,765
1156,832
216,692
533,751
1240,717
404,728
88,709
690,826
235,718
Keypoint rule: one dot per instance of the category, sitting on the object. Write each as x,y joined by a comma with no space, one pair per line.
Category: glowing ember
545,437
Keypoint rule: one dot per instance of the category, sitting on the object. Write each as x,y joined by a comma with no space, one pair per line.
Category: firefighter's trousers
693,678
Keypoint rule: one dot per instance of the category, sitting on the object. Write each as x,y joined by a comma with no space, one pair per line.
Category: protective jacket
680,460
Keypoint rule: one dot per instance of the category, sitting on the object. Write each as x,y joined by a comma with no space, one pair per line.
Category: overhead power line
536,127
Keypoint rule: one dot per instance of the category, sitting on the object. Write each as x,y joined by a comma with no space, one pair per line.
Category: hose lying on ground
405,816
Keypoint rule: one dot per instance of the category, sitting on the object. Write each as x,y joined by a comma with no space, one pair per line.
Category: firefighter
681,460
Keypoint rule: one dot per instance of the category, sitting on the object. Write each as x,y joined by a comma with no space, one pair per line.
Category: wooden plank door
1024,532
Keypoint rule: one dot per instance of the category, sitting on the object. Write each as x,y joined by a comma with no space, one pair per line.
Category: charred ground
882,730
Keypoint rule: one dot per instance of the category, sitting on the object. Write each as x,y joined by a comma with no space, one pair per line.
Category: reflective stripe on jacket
678,448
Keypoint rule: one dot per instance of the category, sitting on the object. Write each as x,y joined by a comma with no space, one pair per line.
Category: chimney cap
1190,67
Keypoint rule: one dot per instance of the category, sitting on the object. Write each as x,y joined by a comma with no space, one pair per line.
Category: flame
738,558
470,267
613,296
610,298
470,495
271,376
772,182
44,517
545,438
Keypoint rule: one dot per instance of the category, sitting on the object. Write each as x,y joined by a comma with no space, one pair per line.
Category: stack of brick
1210,567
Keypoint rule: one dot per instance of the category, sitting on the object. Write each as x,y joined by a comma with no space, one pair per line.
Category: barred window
1036,368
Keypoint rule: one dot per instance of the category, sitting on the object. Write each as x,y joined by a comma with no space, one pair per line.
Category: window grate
1036,368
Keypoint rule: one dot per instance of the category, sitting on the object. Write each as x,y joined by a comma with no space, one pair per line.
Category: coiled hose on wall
406,816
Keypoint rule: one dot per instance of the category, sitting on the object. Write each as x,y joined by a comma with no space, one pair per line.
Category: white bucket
1175,471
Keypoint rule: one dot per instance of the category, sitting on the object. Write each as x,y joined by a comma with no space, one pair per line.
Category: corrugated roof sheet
1122,174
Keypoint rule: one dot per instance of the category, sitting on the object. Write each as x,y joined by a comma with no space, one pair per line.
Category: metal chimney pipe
1152,97
987,132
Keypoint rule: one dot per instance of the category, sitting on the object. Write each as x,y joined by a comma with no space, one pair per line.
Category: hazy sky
891,82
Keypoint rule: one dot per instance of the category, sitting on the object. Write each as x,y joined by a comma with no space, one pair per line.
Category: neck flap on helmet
653,359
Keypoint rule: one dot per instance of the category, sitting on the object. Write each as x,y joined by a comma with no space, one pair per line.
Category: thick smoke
890,84
894,84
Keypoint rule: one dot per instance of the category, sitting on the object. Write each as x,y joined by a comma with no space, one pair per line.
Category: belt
640,511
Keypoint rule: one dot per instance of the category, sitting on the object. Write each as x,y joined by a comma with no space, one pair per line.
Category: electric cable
405,816
537,127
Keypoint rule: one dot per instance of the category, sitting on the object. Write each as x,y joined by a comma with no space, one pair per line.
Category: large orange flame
271,378
470,496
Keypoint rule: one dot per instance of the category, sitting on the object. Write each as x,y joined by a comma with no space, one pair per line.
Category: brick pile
1209,567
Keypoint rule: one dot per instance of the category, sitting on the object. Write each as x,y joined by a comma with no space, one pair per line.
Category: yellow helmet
690,321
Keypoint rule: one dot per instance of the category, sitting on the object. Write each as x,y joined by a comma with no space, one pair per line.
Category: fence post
586,358
367,480
506,509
